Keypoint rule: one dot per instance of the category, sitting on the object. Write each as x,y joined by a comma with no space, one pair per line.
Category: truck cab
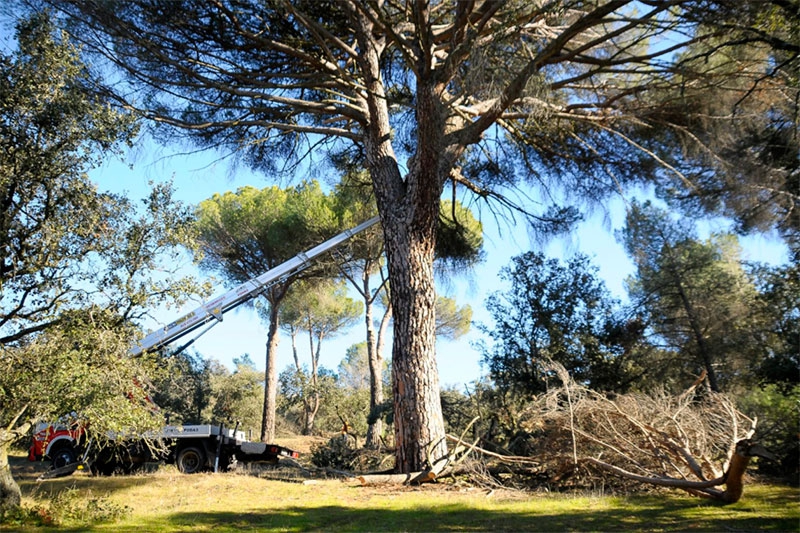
58,442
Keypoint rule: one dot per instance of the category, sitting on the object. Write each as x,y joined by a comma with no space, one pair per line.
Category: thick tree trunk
418,422
409,209
10,495
268,414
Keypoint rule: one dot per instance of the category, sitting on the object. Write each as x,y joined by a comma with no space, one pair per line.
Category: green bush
778,412
339,452
69,507
26,516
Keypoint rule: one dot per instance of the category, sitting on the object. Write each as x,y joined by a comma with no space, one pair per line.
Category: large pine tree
575,98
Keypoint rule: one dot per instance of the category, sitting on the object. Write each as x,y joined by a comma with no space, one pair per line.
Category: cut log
429,475
414,478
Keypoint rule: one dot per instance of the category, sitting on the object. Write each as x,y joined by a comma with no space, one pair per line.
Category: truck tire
103,469
191,460
63,456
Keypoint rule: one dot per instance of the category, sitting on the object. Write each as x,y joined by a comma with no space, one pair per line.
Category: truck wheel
104,469
64,456
190,460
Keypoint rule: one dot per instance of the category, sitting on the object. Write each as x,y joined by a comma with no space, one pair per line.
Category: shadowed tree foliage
779,296
698,299
183,390
751,155
573,98
236,397
556,312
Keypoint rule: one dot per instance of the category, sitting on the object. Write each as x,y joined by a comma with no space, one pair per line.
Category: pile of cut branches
697,441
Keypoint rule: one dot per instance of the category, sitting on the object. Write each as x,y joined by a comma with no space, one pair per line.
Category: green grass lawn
169,501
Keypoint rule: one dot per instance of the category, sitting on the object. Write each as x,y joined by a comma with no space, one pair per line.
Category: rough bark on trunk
270,378
409,209
418,422
10,495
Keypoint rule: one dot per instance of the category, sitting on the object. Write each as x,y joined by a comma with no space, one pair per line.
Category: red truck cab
58,443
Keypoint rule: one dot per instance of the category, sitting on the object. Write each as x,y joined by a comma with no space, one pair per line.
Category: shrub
71,507
778,413
339,452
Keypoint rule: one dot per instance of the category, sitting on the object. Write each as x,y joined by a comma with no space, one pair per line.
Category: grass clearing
169,501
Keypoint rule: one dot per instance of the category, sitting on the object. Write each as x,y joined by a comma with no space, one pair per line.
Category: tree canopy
52,129
245,233
699,299
556,312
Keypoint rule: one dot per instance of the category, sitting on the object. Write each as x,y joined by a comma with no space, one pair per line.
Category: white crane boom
214,309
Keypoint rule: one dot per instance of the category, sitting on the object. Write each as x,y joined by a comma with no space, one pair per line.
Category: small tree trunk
10,495
704,351
268,414
374,430
315,396
293,336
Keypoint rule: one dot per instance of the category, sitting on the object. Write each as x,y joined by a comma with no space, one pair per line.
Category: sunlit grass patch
169,501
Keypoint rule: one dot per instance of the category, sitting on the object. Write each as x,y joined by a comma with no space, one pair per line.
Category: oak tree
77,266
560,312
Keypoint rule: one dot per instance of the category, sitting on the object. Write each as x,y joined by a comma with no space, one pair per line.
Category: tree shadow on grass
640,515
26,474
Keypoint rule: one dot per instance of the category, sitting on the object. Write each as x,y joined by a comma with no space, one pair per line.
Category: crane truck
192,448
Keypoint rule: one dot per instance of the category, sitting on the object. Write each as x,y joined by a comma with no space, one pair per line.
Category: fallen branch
733,479
509,459
414,478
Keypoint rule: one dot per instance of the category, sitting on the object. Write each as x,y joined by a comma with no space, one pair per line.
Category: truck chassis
191,448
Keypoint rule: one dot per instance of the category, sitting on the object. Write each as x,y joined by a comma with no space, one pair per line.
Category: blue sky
197,176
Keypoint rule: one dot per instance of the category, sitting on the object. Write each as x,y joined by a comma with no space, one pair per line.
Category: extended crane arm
214,309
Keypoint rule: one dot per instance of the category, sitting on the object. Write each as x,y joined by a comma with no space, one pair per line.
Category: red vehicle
57,442
190,447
